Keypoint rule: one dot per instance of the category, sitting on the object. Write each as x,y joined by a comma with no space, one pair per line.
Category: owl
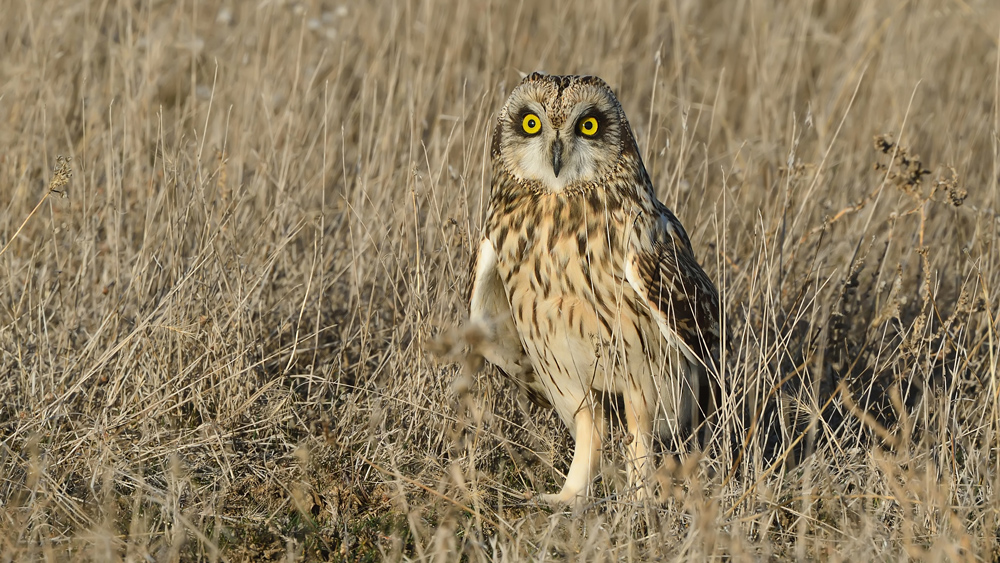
585,288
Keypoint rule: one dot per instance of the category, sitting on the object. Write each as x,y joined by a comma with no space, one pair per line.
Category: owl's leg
640,427
590,426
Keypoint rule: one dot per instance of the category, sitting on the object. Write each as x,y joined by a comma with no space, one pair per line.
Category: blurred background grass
213,339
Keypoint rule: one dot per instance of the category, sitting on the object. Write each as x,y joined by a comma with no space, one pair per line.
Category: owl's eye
531,124
588,126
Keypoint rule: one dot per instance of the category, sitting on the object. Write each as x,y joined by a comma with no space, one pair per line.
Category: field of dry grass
216,311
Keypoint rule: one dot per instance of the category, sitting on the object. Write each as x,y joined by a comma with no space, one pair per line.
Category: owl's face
561,131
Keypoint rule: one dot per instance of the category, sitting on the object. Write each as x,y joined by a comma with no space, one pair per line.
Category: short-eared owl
585,286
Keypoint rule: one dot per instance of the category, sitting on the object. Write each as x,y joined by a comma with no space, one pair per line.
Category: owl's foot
639,444
640,492
640,482
560,499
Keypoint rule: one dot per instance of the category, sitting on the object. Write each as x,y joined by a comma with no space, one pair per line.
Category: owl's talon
559,500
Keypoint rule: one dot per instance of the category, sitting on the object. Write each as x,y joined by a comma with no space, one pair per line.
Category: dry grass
214,347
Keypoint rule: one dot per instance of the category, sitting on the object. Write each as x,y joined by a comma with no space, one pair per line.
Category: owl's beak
557,156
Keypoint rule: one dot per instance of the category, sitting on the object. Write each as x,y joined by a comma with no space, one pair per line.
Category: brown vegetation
215,311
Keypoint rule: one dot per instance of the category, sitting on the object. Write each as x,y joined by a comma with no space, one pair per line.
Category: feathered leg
589,432
640,427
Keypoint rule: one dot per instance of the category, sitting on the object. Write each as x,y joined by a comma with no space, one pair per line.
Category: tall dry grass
213,338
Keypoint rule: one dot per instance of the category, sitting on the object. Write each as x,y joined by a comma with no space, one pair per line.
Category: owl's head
561,131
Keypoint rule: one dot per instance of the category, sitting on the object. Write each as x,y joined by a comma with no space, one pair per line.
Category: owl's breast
579,320
559,247
562,265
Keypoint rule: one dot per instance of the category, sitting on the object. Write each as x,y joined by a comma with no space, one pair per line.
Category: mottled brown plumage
585,285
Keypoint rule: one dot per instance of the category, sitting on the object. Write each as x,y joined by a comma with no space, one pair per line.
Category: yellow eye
588,126
531,124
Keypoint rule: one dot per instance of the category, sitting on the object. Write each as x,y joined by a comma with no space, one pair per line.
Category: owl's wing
661,268
492,323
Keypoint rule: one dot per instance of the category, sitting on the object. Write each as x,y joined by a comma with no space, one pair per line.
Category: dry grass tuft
216,345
